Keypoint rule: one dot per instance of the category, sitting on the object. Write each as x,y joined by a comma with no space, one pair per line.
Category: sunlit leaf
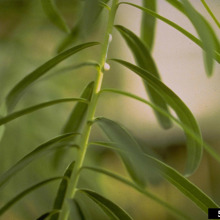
61,193
16,93
186,117
26,192
36,153
54,15
137,165
34,108
76,118
106,205
148,24
144,59
145,192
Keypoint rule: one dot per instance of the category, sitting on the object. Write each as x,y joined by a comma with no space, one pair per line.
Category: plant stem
91,113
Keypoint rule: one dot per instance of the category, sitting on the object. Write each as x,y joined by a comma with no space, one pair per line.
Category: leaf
184,185
36,153
61,193
146,193
194,150
107,205
16,93
138,167
77,118
26,192
148,24
76,210
144,59
47,215
2,113
31,109
177,27
54,15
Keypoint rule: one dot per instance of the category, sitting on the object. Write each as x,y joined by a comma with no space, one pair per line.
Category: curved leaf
146,193
61,193
107,205
148,23
26,192
186,117
76,119
76,210
177,27
31,109
16,93
144,59
36,153
48,215
53,14
138,167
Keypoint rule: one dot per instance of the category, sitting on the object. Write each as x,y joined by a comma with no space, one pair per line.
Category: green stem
91,113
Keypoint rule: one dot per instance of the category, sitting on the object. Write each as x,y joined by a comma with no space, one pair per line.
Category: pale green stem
91,113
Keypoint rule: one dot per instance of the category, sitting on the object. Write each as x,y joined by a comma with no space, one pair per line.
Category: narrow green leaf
3,112
186,117
34,108
76,210
144,59
146,193
36,153
148,23
76,119
178,28
26,192
16,93
204,34
138,167
184,185
48,215
107,205
54,15
61,193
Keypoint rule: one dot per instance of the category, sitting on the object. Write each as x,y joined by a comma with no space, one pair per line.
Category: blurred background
28,39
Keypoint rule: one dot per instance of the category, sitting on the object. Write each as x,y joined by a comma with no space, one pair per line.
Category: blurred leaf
26,192
110,208
186,117
138,167
31,109
178,28
3,112
144,60
76,118
148,24
48,215
146,193
76,211
61,193
16,93
54,15
36,153
184,185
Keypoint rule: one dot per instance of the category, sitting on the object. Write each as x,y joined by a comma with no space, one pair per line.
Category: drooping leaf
144,59
148,24
194,150
61,193
36,153
178,28
16,93
145,192
26,192
107,205
137,165
47,215
77,118
54,15
31,109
